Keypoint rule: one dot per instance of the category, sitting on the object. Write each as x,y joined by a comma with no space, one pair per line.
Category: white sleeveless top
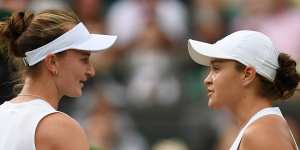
18,122
259,114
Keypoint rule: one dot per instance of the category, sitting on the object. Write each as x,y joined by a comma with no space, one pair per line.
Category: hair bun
12,29
18,23
287,78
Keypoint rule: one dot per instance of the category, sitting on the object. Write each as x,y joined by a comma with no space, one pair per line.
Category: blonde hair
25,31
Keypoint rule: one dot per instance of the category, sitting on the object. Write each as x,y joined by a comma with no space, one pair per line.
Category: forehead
221,61
79,52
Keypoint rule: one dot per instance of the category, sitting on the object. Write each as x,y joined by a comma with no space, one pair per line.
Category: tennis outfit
258,115
18,123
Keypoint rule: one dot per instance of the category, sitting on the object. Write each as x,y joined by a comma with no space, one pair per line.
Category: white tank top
259,114
18,122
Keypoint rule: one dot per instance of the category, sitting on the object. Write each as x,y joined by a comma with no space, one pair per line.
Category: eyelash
215,68
85,60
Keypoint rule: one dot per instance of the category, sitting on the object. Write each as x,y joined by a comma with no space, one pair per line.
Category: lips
209,92
82,83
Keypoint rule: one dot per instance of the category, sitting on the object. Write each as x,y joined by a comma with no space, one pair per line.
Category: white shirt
18,122
259,114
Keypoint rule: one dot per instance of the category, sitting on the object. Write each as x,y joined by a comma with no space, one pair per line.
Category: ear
51,62
249,75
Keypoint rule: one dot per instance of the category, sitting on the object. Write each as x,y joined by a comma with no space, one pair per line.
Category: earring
55,73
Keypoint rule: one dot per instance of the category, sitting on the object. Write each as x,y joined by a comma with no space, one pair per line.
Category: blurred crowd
148,94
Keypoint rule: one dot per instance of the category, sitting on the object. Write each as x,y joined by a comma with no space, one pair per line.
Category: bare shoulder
60,132
269,132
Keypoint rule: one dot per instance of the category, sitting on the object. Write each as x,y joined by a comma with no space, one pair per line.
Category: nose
208,80
91,71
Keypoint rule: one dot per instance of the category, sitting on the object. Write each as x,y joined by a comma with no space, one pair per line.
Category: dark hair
287,77
285,83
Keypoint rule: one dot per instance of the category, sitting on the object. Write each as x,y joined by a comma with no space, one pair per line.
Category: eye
215,68
85,60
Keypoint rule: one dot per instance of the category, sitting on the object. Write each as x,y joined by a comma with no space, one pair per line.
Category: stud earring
55,72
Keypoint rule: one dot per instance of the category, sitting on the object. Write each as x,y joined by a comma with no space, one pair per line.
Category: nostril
93,72
90,72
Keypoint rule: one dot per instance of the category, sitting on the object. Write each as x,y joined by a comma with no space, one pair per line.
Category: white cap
250,48
76,38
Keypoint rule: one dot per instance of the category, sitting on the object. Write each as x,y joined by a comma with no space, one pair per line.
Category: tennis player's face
74,70
223,83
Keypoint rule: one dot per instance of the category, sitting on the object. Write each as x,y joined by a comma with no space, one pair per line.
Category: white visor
76,38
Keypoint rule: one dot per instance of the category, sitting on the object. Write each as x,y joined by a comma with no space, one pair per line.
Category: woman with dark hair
55,48
246,75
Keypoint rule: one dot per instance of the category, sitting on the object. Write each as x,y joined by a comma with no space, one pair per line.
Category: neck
39,88
247,107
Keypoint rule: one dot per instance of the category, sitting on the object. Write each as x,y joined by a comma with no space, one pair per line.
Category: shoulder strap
259,114
294,140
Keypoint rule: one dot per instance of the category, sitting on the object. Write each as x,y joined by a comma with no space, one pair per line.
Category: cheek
69,84
226,87
70,69
65,81
68,77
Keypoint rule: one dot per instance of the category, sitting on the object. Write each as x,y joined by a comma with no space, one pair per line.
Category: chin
78,94
75,94
213,104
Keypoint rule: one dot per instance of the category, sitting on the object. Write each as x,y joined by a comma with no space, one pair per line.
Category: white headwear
76,38
250,48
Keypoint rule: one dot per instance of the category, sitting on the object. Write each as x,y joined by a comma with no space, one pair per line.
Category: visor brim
97,42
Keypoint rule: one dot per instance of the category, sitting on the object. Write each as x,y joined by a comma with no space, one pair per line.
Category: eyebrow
217,61
85,53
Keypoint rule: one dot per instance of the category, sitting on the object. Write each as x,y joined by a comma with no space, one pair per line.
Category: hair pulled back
25,31
286,80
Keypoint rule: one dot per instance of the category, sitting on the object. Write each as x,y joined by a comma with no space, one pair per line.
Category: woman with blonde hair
246,75
55,47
